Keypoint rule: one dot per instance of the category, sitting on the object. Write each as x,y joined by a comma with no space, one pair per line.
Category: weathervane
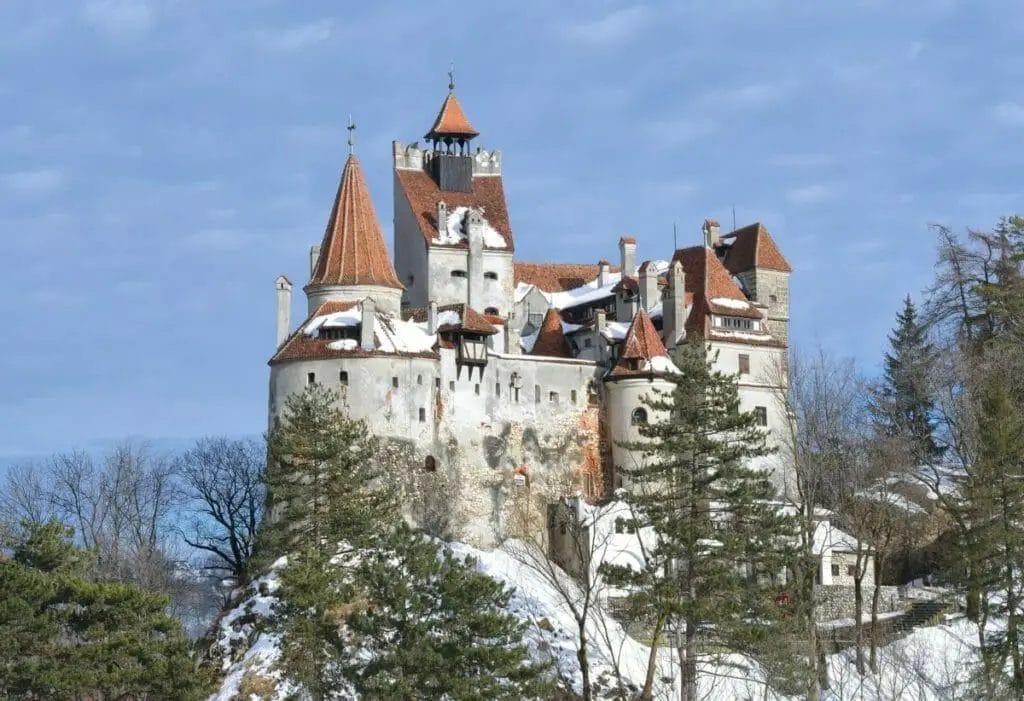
451,77
351,135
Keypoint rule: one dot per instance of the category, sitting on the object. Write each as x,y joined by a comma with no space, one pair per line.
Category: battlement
413,157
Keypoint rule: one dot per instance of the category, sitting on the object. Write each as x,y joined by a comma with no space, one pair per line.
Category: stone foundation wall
836,601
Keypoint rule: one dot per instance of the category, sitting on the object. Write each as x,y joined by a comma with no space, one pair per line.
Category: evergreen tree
720,537
902,406
64,636
432,627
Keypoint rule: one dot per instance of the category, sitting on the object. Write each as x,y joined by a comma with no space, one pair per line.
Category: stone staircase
922,613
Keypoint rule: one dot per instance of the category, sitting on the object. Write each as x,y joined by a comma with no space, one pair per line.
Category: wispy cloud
297,38
33,182
811,194
618,26
1009,113
121,18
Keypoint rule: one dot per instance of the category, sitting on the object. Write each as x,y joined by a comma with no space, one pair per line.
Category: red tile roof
556,277
642,343
471,320
707,279
752,246
423,195
353,250
451,121
550,339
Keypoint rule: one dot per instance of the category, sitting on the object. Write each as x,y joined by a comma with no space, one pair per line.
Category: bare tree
222,481
25,495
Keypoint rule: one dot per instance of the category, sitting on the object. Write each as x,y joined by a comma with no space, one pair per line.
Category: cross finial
451,77
351,135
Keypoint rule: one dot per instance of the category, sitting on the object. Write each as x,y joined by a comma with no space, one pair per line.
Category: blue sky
162,161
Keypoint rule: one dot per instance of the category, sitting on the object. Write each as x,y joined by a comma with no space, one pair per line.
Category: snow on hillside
930,664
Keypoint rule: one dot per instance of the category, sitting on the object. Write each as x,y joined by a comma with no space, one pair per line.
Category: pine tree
432,627
902,406
64,636
721,538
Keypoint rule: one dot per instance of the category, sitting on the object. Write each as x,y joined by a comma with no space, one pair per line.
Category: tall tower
453,240
353,261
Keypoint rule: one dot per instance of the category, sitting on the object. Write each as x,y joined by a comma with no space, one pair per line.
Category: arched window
490,276
639,416
430,464
493,311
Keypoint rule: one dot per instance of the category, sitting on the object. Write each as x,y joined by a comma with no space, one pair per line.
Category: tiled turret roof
641,346
451,121
550,338
353,250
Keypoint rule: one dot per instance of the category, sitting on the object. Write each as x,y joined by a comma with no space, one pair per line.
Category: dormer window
489,275
338,333
738,323
459,273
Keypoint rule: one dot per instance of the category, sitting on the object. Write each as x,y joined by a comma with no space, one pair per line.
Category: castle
506,382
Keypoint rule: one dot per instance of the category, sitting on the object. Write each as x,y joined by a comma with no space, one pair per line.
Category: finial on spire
351,135
451,77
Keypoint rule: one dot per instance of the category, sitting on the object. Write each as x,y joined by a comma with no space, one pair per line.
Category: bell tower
452,164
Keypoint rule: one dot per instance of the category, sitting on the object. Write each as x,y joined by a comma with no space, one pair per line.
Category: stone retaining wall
836,601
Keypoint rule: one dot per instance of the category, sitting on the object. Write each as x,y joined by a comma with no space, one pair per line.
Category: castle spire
351,136
640,349
353,250
451,124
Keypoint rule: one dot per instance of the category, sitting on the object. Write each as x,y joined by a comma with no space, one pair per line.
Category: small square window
394,382
343,377
451,385
851,570
423,415
761,413
744,364
310,378
772,299
835,570
553,397
572,396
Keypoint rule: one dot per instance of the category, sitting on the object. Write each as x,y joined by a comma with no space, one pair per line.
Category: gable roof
423,194
451,121
551,340
353,250
639,350
556,277
752,246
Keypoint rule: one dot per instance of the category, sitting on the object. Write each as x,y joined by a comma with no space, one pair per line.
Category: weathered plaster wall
410,250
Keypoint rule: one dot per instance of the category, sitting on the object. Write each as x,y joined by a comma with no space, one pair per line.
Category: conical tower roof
551,340
451,121
353,250
639,349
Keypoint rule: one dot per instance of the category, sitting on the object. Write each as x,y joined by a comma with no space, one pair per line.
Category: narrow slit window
744,364
343,378
311,378
476,388
423,415
459,273
419,379
437,383
490,275
394,382
497,389
451,385
536,394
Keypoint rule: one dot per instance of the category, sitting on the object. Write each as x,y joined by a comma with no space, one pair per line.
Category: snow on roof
584,294
457,230
391,335
827,536
615,330
730,303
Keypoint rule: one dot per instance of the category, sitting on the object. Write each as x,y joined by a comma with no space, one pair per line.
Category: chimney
648,286
600,324
442,220
674,310
314,256
432,318
368,322
475,259
711,233
604,271
627,255
284,308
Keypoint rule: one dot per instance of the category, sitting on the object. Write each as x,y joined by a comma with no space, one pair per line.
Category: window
423,415
553,397
497,389
394,382
458,273
343,378
638,417
744,364
430,464
437,383
572,396
493,311
311,378
851,570
536,394
490,275
588,342
835,570
772,299
451,385
411,277
419,379
761,413
476,388
735,322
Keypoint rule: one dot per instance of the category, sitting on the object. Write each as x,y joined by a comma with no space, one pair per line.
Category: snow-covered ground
930,664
